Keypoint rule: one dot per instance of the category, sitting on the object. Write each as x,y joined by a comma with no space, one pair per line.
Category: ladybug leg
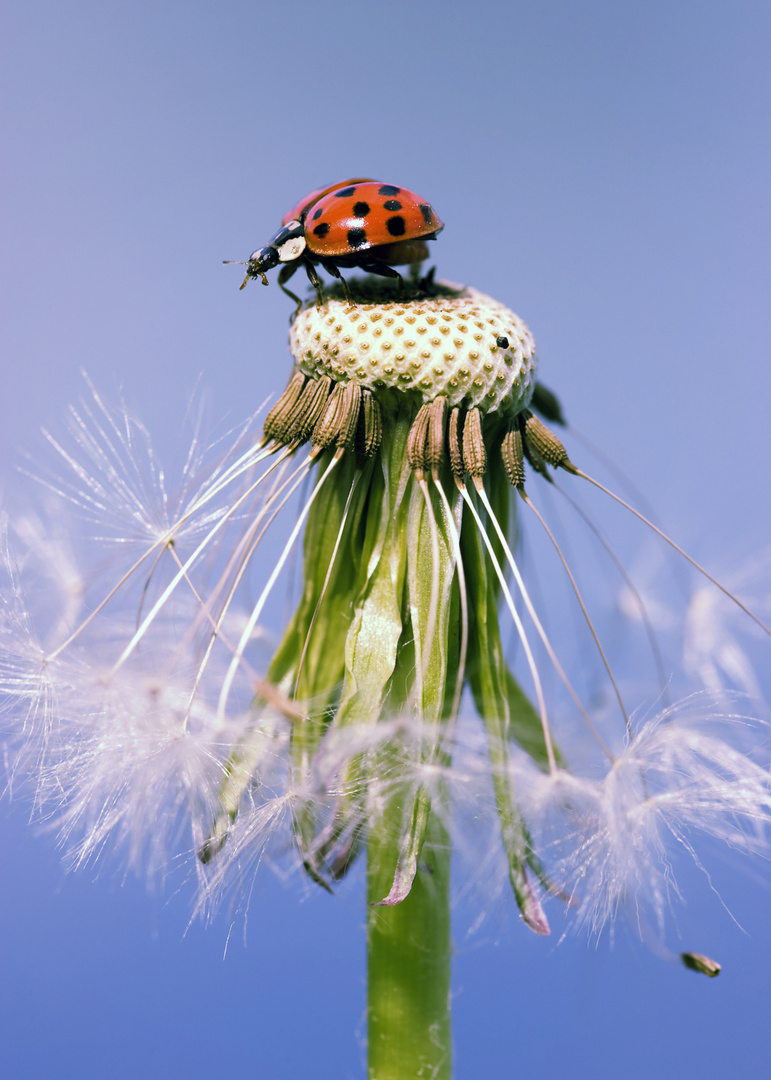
427,283
335,272
384,271
315,281
284,275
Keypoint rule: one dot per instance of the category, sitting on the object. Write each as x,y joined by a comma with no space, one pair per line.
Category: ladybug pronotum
362,223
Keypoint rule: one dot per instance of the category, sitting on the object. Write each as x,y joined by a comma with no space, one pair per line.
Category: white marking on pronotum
292,249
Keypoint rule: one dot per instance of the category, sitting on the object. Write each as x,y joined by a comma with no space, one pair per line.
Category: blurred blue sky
605,169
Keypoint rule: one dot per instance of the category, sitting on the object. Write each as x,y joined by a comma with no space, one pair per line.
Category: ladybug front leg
284,275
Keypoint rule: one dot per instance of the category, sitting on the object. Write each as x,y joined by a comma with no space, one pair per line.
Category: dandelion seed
702,964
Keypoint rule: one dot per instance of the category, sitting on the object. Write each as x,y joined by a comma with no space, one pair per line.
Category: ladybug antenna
238,262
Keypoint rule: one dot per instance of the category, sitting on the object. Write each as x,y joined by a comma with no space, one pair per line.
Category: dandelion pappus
353,223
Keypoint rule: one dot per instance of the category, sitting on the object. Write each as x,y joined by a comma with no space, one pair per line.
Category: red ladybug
362,223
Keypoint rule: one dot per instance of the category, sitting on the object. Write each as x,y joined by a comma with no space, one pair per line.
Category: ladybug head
261,260
287,245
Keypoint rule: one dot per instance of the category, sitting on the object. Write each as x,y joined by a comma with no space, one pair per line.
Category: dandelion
411,425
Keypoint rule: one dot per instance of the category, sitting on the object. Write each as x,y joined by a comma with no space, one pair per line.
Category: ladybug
362,223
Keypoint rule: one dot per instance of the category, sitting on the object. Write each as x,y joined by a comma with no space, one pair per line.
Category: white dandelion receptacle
454,342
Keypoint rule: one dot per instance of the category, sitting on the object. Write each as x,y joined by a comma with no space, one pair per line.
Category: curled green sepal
407,863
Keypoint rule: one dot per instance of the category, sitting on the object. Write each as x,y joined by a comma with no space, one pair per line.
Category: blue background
603,167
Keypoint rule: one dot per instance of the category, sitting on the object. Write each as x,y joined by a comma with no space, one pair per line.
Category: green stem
408,951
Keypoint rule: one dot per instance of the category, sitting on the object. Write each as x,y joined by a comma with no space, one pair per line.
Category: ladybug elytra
362,223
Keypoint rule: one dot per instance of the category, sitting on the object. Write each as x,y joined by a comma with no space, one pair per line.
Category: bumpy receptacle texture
458,343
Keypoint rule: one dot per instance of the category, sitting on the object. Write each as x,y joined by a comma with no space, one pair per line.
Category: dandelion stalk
408,959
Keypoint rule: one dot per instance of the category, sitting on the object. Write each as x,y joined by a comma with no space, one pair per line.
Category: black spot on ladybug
502,342
318,214
392,204
388,189
395,225
343,193
427,212
357,237
321,230
360,209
